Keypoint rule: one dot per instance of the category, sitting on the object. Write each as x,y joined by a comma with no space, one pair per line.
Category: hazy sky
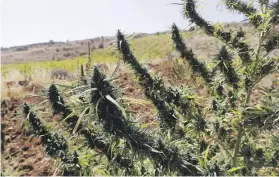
32,21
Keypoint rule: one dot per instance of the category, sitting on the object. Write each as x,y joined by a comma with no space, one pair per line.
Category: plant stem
241,129
240,132
237,145
256,165
228,153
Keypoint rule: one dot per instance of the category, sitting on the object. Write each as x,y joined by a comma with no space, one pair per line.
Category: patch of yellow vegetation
145,48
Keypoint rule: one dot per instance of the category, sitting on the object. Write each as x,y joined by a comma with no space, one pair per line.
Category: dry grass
11,87
38,80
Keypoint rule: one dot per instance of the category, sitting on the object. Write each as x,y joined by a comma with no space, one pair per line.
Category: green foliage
236,42
274,13
246,9
218,136
255,68
55,145
58,106
272,43
154,88
188,55
225,65
115,123
95,140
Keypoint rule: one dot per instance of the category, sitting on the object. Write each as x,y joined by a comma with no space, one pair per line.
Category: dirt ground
23,154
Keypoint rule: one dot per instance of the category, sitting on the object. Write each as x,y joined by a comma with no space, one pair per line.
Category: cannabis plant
94,139
115,122
226,135
242,68
238,68
55,145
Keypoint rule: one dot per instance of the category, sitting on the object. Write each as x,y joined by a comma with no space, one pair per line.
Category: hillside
145,46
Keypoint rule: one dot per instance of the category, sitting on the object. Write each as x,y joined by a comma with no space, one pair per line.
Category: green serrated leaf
116,104
70,115
144,126
192,97
80,118
201,162
88,90
153,150
206,153
77,88
235,169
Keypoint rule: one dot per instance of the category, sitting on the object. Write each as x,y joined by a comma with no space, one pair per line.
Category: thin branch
272,43
236,43
275,13
248,10
188,55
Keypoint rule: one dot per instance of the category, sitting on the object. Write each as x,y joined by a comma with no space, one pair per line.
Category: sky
33,21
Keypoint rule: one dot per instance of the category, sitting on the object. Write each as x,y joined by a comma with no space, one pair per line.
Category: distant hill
145,46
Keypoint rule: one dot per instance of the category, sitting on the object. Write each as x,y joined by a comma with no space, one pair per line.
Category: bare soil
22,152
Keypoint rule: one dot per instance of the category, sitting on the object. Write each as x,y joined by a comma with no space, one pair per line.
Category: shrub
101,45
51,42
24,48
82,53
66,49
60,74
68,54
